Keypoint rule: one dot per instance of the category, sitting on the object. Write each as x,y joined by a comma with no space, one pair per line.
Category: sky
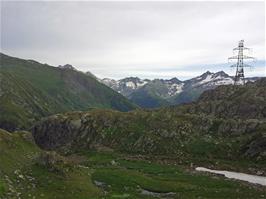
146,39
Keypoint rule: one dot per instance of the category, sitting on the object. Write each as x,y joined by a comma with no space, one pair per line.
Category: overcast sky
144,39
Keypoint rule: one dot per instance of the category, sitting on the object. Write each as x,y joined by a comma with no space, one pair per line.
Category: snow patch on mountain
171,87
131,85
211,79
140,84
175,89
207,79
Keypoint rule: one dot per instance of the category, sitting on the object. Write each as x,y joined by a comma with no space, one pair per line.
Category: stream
236,175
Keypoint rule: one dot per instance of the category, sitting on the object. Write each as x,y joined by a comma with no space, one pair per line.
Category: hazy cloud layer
146,39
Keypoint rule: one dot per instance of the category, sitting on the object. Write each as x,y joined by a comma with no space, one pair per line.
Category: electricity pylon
239,77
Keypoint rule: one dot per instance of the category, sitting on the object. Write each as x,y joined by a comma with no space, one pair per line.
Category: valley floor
121,176
108,175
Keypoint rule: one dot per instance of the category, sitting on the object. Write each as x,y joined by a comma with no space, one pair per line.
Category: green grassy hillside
27,172
30,90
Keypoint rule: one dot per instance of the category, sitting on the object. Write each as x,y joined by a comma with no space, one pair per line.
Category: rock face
159,92
166,131
256,147
67,66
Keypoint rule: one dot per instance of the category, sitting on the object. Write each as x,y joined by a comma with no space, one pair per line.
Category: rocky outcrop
256,147
150,132
245,102
67,66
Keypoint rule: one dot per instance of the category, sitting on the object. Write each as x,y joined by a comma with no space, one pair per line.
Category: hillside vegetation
31,90
28,172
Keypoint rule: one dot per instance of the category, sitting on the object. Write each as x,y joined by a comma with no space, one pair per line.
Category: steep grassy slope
24,175
30,90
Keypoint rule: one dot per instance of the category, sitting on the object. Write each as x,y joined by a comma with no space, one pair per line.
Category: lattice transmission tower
240,65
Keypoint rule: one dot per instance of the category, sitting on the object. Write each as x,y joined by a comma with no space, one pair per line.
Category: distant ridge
164,92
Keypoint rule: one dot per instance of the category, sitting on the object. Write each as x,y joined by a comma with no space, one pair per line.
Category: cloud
117,39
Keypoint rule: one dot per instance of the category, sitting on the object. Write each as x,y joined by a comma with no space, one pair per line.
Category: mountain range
164,92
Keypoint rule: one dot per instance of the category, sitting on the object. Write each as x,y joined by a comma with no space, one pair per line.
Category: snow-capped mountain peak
211,79
174,86
174,91
125,86
132,82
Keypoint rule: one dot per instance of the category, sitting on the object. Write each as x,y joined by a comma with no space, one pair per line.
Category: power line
240,57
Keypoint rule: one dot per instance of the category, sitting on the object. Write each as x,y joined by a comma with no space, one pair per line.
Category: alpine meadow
132,99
